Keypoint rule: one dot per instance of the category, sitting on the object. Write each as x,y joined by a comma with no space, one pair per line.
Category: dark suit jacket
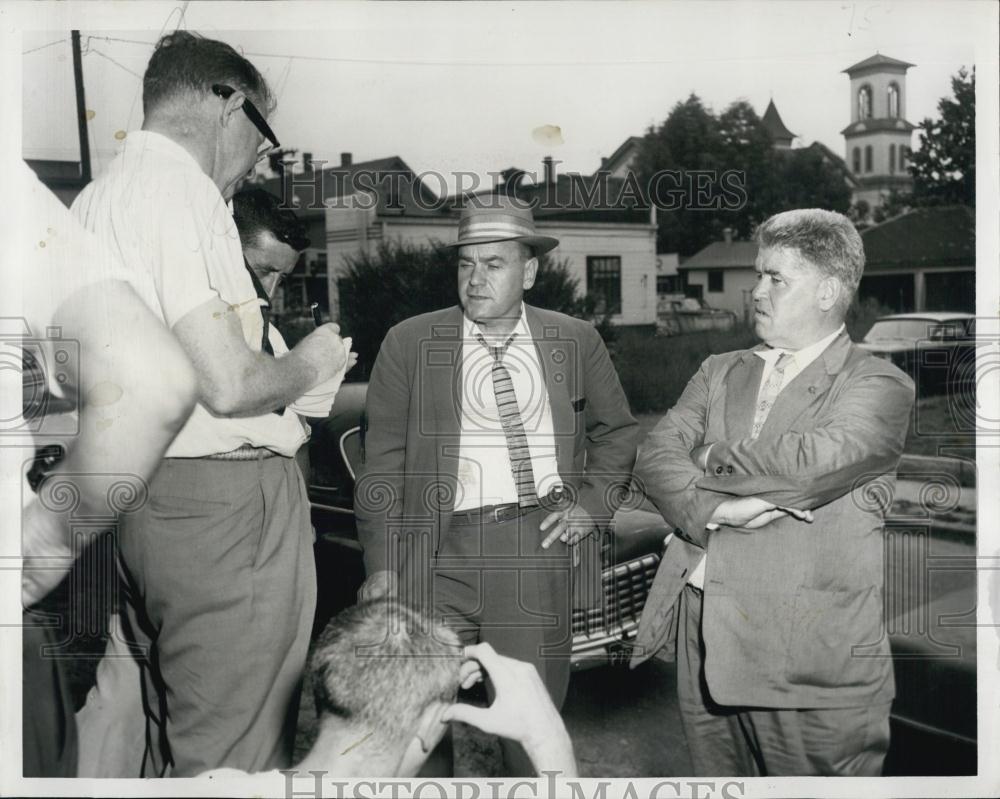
405,492
792,612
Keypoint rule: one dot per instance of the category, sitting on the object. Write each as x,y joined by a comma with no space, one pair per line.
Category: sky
466,86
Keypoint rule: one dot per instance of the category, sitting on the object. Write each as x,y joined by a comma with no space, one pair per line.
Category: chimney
307,162
345,159
550,171
604,162
727,235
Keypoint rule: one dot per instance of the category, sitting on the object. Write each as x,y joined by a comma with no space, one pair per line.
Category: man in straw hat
498,447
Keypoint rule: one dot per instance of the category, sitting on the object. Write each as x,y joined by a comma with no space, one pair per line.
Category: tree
401,279
803,179
944,168
693,140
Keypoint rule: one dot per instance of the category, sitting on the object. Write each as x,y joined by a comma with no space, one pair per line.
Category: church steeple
772,121
877,142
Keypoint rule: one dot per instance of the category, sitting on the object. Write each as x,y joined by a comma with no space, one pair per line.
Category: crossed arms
858,437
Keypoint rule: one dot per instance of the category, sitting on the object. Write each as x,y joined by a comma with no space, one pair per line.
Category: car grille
625,588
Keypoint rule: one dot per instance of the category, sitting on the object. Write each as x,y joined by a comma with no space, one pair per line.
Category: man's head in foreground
212,101
808,268
498,252
382,676
272,237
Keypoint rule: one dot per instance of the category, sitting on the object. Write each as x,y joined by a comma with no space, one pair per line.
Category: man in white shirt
218,564
771,587
499,444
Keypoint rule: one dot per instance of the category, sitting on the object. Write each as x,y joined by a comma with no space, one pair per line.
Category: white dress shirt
484,470
793,367
168,224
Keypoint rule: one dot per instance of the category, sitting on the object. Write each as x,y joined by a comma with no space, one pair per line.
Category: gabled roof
396,185
937,236
626,150
772,121
723,255
578,198
878,61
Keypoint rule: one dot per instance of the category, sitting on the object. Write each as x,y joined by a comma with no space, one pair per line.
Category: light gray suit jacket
793,613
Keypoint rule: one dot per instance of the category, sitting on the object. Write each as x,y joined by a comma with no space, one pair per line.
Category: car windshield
914,330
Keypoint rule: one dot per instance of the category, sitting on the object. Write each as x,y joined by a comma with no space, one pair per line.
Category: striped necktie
769,393
513,429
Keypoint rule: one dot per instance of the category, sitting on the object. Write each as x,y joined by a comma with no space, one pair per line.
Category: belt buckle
500,512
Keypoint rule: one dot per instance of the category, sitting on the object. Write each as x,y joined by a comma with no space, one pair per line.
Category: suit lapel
742,385
809,386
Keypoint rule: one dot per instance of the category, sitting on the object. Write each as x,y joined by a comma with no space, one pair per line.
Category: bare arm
233,380
136,390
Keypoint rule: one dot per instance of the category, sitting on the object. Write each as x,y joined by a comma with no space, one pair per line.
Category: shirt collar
804,356
140,141
472,329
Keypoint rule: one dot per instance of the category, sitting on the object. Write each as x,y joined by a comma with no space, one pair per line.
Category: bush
654,369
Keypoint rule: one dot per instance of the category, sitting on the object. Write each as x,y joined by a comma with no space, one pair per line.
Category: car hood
637,533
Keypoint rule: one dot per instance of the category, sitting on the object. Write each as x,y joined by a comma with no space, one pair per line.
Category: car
631,552
937,349
679,315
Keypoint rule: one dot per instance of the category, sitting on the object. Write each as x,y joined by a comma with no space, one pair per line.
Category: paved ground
626,723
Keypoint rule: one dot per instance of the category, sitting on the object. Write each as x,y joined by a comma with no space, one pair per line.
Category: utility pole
81,109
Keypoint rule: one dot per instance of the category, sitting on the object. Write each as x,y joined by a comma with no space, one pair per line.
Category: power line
406,63
43,46
116,63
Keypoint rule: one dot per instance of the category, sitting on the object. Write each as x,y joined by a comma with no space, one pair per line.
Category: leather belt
509,510
247,452
492,513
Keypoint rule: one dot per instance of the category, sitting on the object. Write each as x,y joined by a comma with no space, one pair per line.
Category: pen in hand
316,314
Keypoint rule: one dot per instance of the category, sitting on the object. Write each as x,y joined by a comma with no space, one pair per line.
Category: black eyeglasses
225,92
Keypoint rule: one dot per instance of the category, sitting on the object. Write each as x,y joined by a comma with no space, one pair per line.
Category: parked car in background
676,316
937,349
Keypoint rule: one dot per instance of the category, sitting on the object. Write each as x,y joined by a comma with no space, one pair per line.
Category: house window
904,153
865,102
604,282
856,159
892,158
868,158
668,284
893,96
715,280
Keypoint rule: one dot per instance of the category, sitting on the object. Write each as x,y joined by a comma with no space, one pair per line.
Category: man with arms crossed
219,564
479,417
772,583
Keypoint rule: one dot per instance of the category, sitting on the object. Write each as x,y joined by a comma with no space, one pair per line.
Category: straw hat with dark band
500,220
